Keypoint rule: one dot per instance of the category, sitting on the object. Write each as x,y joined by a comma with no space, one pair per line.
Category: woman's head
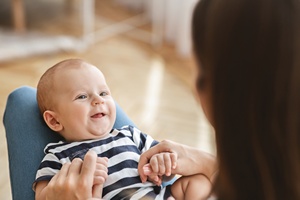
247,53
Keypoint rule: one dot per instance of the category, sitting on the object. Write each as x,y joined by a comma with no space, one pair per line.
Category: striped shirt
123,148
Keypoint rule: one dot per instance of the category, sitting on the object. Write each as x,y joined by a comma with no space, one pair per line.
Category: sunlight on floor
154,85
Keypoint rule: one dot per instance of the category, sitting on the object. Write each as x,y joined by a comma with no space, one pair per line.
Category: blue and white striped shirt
123,148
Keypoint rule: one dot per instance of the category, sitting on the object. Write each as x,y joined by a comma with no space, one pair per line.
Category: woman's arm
190,160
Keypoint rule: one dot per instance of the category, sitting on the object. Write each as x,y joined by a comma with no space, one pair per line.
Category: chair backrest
27,136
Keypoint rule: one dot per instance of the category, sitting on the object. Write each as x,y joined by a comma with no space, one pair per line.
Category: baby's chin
98,135
89,133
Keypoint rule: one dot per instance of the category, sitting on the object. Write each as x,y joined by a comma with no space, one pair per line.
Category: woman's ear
50,118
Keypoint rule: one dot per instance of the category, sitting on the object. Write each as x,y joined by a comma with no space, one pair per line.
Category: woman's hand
190,160
75,180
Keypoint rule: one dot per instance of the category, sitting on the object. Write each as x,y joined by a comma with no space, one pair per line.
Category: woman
249,86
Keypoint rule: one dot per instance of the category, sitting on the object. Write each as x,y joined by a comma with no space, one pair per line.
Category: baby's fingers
168,164
102,161
157,164
163,163
102,164
100,174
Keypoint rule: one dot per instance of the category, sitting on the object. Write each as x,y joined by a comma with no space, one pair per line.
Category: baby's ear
50,118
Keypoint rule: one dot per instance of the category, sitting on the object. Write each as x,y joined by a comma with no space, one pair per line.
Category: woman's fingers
59,178
89,165
75,167
174,158
97,191
147,169
76,180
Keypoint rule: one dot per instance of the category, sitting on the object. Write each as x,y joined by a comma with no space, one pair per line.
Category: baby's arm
160,167
41,190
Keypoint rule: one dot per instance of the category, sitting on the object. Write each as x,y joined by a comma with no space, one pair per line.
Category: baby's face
83,103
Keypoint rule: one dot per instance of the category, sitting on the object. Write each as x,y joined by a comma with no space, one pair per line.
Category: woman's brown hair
248,53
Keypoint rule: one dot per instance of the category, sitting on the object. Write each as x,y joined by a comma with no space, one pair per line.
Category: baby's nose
97,100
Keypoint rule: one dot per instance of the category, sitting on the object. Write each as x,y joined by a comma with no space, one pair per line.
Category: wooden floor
153,86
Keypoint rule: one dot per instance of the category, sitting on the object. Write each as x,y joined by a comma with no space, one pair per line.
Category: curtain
171,17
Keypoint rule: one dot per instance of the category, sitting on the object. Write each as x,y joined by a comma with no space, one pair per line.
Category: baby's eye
83,96
103,94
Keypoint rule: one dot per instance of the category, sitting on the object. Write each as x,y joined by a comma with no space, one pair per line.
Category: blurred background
142,47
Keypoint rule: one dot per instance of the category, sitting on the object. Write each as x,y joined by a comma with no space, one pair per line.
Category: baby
76,102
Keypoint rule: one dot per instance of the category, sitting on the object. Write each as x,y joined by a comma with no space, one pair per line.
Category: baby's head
75,100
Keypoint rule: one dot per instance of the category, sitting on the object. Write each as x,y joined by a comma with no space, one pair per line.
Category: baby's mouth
98,115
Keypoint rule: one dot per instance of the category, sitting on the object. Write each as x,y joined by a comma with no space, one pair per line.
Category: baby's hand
101,170
159,165
100,176
152,176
